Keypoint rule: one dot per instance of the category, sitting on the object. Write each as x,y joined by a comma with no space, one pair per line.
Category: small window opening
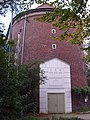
53,31
20,30
53,46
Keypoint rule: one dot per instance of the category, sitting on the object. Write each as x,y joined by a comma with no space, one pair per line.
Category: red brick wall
78,102
38,46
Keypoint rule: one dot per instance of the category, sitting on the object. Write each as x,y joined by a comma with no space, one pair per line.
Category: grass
47,118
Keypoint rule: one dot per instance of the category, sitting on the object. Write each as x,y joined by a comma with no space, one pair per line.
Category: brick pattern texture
38,46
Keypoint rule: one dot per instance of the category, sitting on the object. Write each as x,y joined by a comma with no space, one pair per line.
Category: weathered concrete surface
82,116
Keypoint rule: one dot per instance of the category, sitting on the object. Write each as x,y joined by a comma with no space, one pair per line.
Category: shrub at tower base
81,99
18,88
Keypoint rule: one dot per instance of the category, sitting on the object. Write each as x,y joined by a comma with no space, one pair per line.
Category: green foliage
17,92
83,90
84,109
88,76
87,50
73,118
3,60
17,6
18,87
52,118
70,17
2,28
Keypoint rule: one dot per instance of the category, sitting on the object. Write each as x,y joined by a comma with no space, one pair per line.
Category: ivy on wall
81,90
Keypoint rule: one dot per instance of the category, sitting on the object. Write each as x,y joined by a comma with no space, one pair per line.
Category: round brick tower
36,44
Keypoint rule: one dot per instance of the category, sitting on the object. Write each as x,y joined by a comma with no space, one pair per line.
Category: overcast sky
6,20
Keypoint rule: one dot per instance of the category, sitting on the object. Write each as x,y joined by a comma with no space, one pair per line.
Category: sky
6,20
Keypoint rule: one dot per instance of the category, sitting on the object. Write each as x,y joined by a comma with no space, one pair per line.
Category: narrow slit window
53,46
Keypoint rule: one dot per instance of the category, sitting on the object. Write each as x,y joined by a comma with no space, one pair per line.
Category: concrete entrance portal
55,94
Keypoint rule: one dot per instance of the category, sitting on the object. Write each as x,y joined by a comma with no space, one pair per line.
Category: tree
18,6
18,91
71,17
3,60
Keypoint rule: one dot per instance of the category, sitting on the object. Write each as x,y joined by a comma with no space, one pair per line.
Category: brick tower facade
36,44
